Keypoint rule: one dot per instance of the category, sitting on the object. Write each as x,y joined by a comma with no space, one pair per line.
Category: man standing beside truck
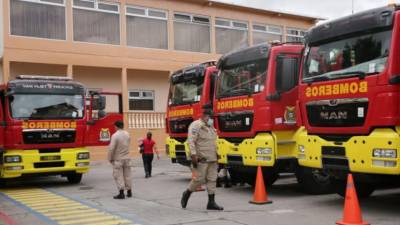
202,138
118,156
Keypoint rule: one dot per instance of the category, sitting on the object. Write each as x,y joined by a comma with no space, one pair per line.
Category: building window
266,33
146,28
38,18
295,35
140,100
191,33
96,22
230,35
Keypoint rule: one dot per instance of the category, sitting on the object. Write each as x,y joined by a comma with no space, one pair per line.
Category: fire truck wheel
269,178
3,182
313,181
364,190
74,178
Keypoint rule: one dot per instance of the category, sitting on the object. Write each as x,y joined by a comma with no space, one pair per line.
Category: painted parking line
57,209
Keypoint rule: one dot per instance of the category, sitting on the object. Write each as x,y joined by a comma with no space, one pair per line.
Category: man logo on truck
339,115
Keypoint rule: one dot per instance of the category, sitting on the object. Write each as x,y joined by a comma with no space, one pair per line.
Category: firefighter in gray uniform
202,138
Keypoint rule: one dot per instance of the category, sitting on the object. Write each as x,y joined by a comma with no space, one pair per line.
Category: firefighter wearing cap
202,139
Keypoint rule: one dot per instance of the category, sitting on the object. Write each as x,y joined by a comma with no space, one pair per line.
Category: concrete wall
106,79
1,31
156,81
23,68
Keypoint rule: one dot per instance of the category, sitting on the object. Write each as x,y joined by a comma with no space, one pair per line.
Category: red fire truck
191,88
255,106
46,123
349,99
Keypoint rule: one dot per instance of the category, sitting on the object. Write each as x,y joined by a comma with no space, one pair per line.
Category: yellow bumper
358,152
33,162
177,150
245,153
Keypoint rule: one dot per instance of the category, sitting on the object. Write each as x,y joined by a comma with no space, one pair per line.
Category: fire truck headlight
302,149
83,155
264,151
12,159
384,153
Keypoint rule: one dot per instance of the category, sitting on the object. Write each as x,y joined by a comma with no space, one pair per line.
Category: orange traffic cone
352,212
260,196
194,176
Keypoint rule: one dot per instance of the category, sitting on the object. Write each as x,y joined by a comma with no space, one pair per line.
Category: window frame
196,23
141,91
146,11
43,3
298,30
192,21
96,7
97,10
231,26
267,26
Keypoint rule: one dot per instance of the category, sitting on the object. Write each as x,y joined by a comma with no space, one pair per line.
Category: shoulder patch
195,130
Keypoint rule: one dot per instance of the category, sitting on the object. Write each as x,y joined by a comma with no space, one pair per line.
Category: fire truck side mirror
101,114
99,103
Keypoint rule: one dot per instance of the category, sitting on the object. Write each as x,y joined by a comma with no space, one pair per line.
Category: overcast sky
329,9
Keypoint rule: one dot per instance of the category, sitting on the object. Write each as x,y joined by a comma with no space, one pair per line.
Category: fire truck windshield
354,56
186,91
46,106
242,79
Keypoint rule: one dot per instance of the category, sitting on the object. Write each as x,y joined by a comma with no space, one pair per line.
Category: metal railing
145,120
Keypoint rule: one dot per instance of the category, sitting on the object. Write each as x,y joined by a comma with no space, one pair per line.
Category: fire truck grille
49,136
180,126
48,164
337,113
235,121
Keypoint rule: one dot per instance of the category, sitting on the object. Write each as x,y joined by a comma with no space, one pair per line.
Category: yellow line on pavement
85,214
85,220
71,212
112,222
58,207
62,210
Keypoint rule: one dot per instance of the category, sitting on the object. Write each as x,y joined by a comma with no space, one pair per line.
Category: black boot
185,198
129,193
212,205
121,195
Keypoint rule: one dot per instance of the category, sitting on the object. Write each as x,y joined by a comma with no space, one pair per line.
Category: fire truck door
286,82
103,110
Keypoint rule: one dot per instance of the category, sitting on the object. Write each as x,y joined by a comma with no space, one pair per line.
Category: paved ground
156,202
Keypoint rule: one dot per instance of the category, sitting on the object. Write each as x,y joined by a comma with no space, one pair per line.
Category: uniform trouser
147,163
122,174
207,173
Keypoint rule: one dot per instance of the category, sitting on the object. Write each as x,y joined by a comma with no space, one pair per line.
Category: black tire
74,178
313,181
3,182
364,190
269,178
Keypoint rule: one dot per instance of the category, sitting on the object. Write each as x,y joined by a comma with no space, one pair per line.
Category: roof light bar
38,77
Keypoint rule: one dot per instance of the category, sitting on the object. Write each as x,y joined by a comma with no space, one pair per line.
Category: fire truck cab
256,116
45,125
191,89
349,99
